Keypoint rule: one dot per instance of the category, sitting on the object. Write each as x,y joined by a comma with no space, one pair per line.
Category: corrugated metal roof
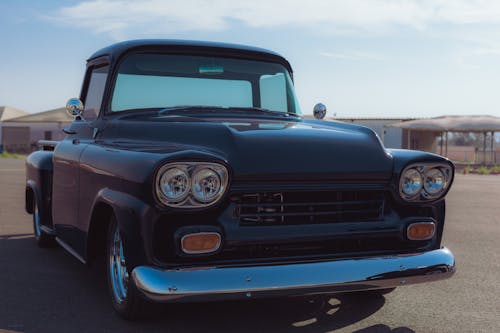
7,112
453,124
352,119
374,119
51,116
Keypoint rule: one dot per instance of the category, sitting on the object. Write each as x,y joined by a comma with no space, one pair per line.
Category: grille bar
332,203
309,207
312,213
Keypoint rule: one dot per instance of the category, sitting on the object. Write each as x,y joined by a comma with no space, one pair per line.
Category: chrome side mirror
319,111
74,108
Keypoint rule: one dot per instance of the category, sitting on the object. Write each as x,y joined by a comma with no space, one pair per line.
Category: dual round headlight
206,184
424,182
191,184
174,184
434,181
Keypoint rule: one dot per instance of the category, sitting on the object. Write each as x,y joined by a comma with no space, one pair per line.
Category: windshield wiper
262,110
214,109
186,108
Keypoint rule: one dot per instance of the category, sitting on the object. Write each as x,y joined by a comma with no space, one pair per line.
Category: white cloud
475,58
352,56
124,17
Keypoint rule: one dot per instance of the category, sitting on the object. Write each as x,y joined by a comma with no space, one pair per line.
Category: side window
95,92
273,92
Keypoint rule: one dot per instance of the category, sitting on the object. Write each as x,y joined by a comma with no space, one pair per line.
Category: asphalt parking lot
49,291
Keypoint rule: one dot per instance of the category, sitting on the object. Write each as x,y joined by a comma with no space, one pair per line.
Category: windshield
149,81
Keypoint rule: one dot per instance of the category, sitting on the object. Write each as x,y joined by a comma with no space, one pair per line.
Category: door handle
68,131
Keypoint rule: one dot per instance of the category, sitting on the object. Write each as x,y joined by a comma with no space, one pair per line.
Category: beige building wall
16,139
22,137
420,140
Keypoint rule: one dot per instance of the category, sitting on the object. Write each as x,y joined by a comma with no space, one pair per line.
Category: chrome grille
308,207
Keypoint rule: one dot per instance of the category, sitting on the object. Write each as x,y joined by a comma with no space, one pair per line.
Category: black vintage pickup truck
189,168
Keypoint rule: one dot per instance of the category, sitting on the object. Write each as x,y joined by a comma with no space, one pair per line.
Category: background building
21,134
6,113
391,137
394,137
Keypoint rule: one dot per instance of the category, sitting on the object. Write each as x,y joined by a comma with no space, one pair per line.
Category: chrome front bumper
220,283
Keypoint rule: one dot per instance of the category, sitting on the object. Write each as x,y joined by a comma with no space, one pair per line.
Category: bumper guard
222,283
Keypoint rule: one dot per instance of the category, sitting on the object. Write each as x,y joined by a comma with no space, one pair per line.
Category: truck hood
261,149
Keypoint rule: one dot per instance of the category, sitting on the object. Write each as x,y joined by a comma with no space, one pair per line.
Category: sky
361,58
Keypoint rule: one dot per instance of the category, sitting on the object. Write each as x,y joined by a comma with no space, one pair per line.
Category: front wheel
124,294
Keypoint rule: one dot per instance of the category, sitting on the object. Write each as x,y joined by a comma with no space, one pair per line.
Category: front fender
403,157
130,212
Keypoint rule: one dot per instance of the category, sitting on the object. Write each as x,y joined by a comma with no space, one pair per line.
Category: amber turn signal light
421,231
201,242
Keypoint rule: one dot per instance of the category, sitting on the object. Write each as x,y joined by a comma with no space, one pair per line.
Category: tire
124,295
42,239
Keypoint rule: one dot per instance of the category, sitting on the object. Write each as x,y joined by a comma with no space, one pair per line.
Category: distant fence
475,157
29,148
19,148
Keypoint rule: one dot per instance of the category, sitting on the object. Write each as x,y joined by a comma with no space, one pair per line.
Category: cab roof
115,51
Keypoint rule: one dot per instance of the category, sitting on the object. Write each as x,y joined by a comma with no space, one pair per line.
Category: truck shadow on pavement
46,290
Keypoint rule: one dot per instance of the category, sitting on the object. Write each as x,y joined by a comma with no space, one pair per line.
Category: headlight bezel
191,167
423,168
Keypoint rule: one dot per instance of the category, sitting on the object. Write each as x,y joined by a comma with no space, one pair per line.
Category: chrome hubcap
118,268
36,222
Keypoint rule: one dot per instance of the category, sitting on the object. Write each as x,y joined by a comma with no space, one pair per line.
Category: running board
47,230
71,251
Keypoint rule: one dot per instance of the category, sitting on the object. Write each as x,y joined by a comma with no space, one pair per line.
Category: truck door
66,180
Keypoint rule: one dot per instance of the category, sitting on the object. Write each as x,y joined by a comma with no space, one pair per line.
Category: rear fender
39,171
